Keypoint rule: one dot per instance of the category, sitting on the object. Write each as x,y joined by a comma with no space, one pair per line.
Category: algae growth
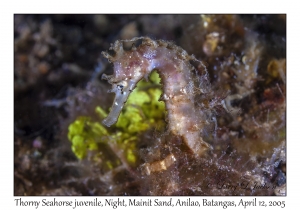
142,111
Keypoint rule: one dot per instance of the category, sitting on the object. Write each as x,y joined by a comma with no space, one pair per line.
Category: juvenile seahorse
173,65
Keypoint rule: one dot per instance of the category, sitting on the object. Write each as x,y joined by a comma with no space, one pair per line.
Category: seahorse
176,73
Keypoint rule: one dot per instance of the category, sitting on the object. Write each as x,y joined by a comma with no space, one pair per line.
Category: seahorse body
172,64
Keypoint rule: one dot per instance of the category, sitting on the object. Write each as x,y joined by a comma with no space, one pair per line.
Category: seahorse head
129,68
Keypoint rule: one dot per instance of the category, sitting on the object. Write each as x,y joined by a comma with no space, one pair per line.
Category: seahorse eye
122,84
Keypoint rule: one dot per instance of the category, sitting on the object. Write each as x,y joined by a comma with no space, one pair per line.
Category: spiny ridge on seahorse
174,67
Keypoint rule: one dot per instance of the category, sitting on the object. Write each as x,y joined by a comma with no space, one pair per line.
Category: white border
8,8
